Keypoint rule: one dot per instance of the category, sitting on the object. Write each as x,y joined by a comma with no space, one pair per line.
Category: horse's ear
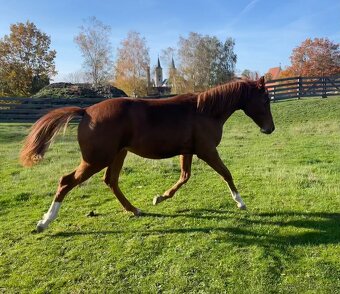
261,85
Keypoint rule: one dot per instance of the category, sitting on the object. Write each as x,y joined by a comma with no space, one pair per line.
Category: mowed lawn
288,241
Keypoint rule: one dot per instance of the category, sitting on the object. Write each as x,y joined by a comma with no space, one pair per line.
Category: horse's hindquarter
104,130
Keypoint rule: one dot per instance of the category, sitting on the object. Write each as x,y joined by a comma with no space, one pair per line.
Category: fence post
324,93
299,87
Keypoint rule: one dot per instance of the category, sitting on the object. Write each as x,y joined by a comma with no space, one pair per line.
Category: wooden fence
30,109
299,87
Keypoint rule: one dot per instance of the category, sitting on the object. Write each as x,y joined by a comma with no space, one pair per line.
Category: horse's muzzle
268,131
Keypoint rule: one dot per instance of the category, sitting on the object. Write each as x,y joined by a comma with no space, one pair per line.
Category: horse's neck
225,116
227,111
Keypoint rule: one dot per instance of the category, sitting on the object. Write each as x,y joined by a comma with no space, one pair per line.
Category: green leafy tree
26,61
223,65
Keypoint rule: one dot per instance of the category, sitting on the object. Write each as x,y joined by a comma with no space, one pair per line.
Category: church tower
172,80
158,87
158,75
173,67
148,77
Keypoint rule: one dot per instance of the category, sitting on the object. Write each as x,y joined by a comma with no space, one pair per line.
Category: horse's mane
221,98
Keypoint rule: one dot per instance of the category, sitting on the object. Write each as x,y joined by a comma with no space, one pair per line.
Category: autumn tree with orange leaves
317,57
26,60
132,64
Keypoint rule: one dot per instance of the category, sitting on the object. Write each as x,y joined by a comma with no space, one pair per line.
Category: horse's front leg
185,161
213,160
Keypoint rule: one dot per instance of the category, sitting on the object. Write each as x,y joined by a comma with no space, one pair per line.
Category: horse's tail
43,132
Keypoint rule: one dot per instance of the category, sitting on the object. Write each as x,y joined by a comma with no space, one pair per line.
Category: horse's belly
153,155
159,150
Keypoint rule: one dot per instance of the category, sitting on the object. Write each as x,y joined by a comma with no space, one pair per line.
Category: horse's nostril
267,131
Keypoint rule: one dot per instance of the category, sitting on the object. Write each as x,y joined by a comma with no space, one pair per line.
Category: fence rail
30,109
298,87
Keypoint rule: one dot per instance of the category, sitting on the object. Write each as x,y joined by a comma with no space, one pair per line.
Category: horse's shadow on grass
308,228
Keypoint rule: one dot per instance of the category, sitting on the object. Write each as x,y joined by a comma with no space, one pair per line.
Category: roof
274,72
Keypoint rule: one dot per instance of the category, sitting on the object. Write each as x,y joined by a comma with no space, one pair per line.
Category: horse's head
257,107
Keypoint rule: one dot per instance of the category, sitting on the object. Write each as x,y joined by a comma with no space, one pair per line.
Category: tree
223,67
318,57
252,75
190,56
94,43
132,64
26,61
76,77
167,56
205,61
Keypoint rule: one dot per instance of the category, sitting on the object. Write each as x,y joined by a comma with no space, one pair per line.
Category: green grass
288,241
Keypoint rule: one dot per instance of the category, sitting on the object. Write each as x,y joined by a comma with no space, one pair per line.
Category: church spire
173,63
159,74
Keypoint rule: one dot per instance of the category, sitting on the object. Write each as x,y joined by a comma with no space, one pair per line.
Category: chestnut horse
183,125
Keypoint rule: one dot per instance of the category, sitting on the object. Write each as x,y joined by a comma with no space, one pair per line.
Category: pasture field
288,241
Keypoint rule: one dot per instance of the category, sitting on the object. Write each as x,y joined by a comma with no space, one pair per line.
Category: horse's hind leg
66,184
213,160
111,179
185,161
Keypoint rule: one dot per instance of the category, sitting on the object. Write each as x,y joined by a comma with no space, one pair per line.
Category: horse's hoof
157,199
40,227
137,212
243,207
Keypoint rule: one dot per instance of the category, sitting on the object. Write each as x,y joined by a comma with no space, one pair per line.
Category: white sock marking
237,198
49,216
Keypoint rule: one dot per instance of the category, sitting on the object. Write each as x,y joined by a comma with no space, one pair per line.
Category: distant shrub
83,90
